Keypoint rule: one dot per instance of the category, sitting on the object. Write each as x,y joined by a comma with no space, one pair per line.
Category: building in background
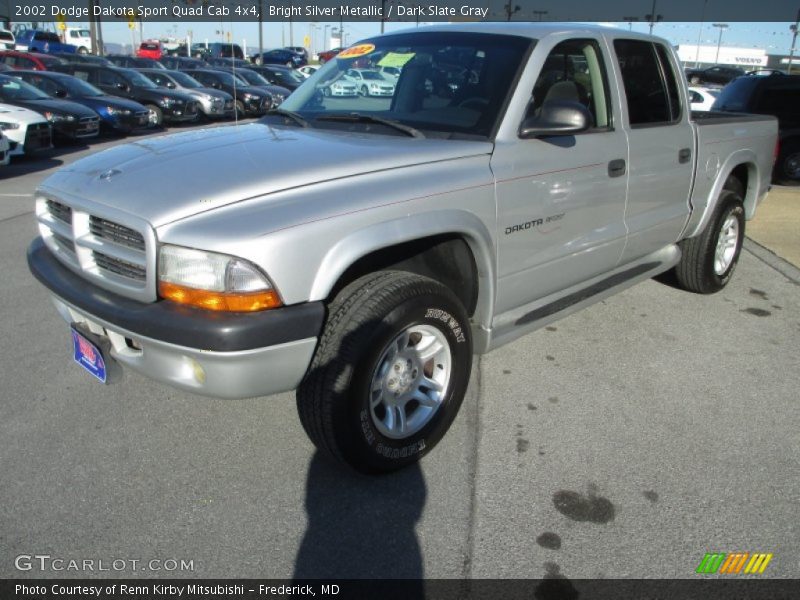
707,56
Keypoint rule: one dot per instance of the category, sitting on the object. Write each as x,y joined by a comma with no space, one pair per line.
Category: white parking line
17,195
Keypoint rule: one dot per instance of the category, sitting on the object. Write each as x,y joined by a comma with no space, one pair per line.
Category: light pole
722,27
325,38
630,21
653,17
510,11
793,29
700,35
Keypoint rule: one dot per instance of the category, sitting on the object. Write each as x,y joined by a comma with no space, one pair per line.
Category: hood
159,92
150,178
114,101
17,114
59,106
201,92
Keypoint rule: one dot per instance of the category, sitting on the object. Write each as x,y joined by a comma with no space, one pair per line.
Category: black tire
289,64
364,319
787,167
240,114
694,79
156,115
326,91
695,272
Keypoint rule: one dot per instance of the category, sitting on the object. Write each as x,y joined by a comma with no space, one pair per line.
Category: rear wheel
787,167
390,371
709,259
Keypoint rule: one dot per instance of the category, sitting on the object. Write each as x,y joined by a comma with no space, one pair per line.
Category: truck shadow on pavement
362,527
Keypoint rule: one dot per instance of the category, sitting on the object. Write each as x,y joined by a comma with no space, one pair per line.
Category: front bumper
180,113
224,355
87,127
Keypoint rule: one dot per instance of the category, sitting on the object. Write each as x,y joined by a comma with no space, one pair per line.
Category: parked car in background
5,150
369,82
150,49
17,59
134,62
80,37
327,55
307,71
282,76
217,50
766,72
702,98
214,104
163,105
4,67
119,115
277,93
279,56
27,130
248,100
339,88
182,63
718,75
7,40
46,42
778,96
70,120
299,50
390,73
83,59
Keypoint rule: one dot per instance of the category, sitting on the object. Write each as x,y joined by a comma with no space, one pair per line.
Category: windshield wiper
355,117
282,112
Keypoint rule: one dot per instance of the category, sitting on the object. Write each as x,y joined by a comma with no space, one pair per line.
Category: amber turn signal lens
224,301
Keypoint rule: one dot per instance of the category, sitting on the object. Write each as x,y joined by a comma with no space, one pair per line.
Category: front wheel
709,259
155,116
390,371
364,91
240,114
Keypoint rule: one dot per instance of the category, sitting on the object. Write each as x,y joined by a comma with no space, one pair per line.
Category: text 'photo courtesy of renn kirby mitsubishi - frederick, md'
461,299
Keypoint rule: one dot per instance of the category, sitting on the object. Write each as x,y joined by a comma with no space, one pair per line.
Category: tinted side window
784,103
108,78
648,102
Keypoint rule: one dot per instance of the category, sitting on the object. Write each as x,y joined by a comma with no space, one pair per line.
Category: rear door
561,199
661,144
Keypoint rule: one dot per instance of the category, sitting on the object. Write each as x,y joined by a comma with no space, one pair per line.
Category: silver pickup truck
361,249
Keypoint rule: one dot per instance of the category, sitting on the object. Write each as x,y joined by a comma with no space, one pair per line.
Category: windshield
185,80
137,78
252,77
13,89
229,79
448,84
78,87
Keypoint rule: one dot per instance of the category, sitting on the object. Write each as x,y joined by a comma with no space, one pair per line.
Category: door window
651,101
574,71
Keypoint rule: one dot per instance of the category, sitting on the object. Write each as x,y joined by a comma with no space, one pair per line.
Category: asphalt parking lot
625,441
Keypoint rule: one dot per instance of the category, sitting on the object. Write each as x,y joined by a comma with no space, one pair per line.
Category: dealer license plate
88,355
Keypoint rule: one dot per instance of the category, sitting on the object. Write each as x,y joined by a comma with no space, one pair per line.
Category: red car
328,54
150,49
28,61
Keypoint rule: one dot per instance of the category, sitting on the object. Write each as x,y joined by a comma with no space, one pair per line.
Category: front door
561,199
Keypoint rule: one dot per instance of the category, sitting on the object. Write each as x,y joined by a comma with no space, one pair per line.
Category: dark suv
778,96
718,75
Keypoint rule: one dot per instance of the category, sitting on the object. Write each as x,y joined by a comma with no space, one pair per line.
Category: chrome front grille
117,256
114,232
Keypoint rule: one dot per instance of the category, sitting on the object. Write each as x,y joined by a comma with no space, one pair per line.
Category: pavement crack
474,424
30,212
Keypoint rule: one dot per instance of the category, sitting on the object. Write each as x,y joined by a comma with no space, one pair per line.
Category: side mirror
216,85
170,85
559,117
123,86
60,94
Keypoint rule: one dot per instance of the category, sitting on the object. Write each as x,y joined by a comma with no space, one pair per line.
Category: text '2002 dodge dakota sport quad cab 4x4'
361,249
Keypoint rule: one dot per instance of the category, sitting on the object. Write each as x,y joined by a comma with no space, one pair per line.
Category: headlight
249,96
111,110
278,98
58,117
213,281
167,101
6,126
